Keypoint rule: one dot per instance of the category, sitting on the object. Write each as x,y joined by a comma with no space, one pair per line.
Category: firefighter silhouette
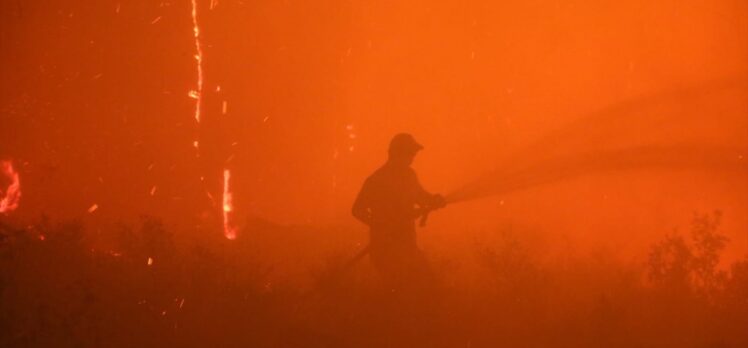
390,202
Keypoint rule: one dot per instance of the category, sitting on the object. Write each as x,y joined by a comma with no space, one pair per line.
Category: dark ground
68,291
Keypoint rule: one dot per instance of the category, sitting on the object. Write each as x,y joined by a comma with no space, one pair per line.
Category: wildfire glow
9,197
228,206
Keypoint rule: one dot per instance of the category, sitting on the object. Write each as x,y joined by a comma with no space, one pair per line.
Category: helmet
404,143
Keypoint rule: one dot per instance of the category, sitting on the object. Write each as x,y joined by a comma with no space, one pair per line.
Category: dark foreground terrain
62,286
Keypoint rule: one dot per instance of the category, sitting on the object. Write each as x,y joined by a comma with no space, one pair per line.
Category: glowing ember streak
93,208
197,94
150,261
229,230
228,207
12,195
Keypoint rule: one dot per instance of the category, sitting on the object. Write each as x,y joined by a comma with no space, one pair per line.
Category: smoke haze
558,130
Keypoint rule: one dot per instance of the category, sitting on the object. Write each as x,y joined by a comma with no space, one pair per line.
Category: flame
12,195
228,207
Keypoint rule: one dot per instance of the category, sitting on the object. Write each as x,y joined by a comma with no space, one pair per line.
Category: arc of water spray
517,172
641,157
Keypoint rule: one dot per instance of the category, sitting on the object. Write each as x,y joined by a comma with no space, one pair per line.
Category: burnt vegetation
61,286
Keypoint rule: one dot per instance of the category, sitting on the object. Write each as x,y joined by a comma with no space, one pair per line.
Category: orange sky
94,107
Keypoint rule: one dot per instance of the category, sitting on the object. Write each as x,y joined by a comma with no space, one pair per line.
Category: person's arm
427,202
361,206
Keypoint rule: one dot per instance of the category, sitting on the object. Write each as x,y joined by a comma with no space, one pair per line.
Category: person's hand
439,202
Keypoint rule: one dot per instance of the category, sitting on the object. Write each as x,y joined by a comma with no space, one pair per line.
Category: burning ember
229,230
197,94
11,195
